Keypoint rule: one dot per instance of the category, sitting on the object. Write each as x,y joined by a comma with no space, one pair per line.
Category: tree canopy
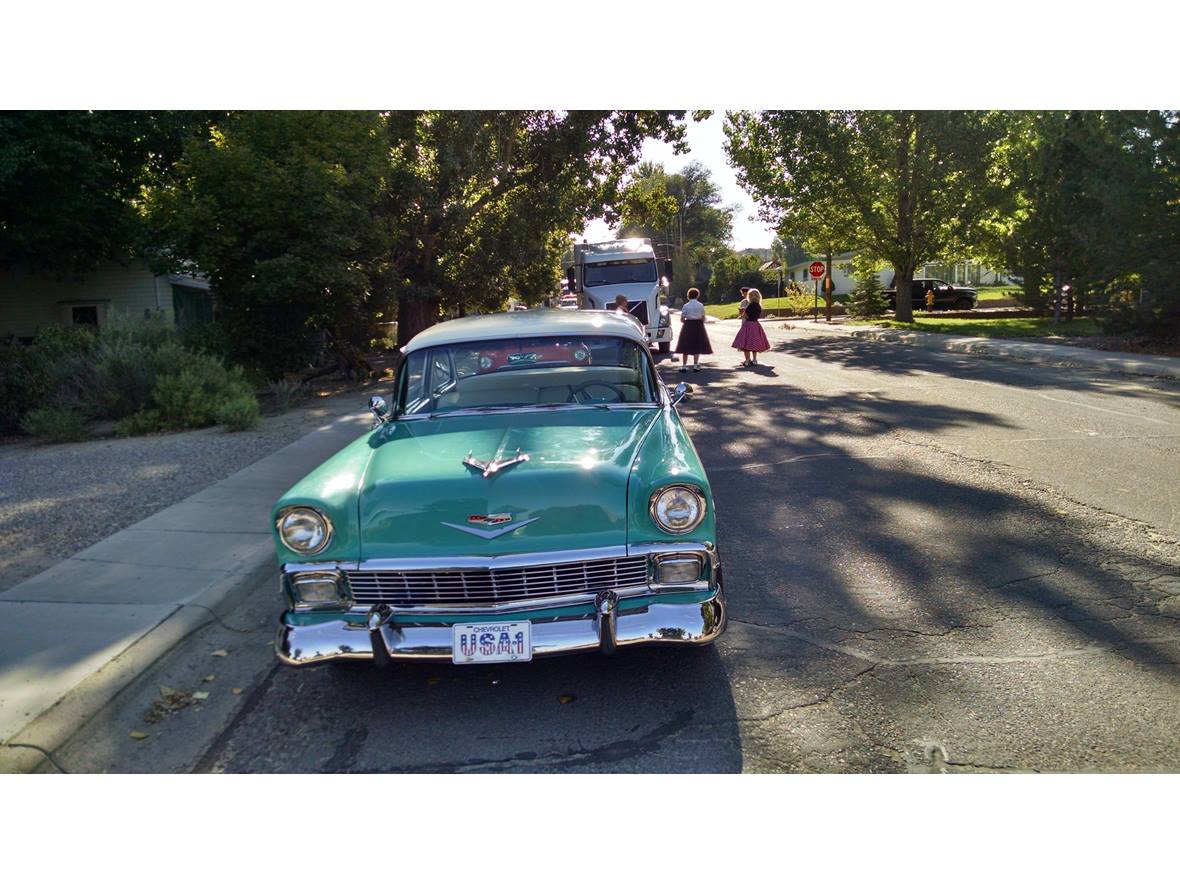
71,181
902,187
683,210
282,211
482,202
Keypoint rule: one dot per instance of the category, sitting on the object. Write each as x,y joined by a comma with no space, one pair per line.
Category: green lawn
730,311
996,293
1035,327
779,305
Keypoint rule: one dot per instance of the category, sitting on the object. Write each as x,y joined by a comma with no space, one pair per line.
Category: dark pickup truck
946,296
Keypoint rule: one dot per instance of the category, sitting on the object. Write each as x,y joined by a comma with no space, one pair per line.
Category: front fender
666,456
332,488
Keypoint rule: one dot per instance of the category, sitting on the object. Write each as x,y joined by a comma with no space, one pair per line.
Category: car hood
417,498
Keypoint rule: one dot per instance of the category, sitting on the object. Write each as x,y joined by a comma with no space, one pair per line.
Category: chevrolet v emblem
493,466
488,534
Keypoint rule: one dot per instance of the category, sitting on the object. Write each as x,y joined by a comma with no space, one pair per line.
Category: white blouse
692,310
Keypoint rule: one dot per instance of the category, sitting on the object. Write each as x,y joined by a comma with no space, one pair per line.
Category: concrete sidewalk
74,635
1007,349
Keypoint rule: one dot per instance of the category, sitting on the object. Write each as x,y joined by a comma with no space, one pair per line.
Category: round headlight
678,509
304,530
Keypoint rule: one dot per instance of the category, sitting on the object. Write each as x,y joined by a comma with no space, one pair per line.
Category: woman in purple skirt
751,339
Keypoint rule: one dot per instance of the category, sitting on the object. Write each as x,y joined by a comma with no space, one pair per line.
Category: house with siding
960,273
29,301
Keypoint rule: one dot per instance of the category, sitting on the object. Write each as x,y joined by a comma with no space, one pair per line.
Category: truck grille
639,310
489,586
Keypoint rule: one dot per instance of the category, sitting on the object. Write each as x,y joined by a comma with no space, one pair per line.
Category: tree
1095,205
900,186
281,210
70,182
683,209
733,270
868,295
481,202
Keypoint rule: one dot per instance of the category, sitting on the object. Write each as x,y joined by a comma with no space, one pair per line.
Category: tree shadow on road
902,360
828,521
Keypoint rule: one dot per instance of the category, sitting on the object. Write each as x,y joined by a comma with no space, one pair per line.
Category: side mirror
668,269
379,408
683,391
571,278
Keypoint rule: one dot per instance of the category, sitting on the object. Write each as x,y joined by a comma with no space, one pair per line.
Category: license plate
491,643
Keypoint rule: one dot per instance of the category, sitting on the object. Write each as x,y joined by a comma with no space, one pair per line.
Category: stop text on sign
817,269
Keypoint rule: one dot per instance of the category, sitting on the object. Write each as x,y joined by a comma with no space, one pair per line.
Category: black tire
964,304
665,346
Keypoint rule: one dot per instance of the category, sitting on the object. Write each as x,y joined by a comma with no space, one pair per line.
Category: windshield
544,372
609,273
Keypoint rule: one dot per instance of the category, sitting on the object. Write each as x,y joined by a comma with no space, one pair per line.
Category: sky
705,143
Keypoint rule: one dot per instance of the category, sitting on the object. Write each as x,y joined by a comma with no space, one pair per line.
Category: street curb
1124,364
53,728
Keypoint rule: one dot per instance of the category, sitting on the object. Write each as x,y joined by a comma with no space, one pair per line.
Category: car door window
442,375
415,389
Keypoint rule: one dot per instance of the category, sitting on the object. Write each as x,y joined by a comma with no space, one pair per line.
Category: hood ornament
493,466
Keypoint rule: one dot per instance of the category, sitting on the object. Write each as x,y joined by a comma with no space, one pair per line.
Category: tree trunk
414,315
903,278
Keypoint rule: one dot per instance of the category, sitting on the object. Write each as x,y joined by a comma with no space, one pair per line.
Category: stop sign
817,269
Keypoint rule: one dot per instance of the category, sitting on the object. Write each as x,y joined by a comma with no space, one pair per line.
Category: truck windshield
548,372
609,273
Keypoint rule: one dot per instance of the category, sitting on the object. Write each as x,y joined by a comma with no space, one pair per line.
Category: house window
191,307
84,315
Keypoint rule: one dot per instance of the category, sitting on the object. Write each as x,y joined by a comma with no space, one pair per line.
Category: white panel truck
602,271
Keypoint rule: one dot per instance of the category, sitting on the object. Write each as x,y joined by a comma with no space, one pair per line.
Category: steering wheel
589,399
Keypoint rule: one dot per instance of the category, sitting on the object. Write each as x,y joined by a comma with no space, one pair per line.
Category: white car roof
527,324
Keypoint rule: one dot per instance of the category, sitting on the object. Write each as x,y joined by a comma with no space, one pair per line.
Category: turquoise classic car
530,491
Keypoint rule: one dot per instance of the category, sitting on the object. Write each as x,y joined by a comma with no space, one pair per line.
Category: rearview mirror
668,269
571,279
683,391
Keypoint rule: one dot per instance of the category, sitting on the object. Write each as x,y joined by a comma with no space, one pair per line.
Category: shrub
55,424
239,413
868,296
192,393
285,391
145,421
207,338
17,391
116,380
137,372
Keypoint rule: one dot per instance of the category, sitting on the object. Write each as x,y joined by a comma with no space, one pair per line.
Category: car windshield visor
547,372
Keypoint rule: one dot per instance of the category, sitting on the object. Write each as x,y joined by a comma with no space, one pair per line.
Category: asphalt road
934,563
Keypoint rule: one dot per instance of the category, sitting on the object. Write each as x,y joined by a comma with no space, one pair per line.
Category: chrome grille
489,586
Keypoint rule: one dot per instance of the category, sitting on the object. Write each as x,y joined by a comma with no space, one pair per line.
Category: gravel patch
58,499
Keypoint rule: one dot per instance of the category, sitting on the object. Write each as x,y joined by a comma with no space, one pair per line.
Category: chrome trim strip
327,566
489,534
461,413
507,560
644,547
539,604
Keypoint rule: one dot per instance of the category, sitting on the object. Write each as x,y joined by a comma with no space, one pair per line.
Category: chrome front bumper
648,620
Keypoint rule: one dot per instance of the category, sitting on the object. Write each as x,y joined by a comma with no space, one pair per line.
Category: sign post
817,270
